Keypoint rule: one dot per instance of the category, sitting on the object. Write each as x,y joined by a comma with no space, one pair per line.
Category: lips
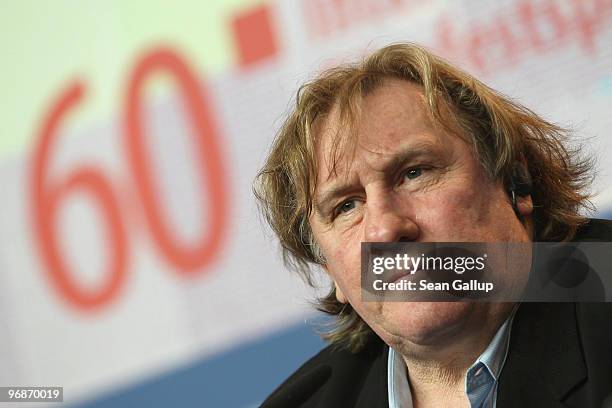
397,276
401,274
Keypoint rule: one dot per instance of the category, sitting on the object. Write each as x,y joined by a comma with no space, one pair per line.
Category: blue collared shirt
480,380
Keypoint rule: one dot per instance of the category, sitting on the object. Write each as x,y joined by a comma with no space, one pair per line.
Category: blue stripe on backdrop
239,378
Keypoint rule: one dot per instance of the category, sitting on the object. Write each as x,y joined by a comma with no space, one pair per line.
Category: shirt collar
494,355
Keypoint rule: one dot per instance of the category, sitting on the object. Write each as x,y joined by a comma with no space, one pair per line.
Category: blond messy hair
501,131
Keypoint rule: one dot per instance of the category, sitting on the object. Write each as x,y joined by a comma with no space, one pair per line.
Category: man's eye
413,173
346,206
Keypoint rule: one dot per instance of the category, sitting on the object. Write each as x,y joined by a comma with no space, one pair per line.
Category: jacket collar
545,360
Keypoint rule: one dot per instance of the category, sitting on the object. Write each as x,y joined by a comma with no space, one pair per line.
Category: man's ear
339,294
524,205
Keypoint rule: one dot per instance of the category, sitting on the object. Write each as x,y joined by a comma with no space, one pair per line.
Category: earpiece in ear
520,185
521,182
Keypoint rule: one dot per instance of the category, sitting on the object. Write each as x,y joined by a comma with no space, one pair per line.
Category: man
406,147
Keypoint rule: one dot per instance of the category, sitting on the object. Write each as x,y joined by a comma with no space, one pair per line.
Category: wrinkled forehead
338,134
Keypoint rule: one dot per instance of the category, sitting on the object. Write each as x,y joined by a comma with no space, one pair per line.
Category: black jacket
560,355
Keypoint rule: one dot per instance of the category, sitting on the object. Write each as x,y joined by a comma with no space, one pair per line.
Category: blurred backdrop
134,269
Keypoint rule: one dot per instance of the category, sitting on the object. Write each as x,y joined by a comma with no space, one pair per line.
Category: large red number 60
47,198
188,259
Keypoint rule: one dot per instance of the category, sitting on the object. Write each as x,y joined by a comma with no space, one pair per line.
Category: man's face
408,181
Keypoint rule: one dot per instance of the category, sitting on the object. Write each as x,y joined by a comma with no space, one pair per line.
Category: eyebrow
323,202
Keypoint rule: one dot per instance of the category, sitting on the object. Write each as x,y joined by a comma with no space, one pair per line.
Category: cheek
345,267
456,209
342,250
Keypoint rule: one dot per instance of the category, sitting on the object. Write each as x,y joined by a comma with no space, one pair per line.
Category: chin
424,323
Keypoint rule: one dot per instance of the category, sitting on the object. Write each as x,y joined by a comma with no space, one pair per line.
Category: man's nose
388,222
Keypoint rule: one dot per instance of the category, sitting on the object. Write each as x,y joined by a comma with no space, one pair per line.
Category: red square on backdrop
254,35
